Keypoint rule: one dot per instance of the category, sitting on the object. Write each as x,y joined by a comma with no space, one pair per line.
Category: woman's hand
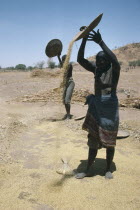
96,37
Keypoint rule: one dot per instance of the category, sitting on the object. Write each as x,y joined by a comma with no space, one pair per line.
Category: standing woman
69,87
54,48
102,118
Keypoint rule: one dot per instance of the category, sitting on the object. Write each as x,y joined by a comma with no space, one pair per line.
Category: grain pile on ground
54,96
34,138
78,96
43,73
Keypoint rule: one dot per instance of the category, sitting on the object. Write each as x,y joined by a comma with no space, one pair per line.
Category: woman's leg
91,157
109,158
68,96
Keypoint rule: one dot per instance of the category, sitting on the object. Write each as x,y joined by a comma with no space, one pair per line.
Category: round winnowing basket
53,48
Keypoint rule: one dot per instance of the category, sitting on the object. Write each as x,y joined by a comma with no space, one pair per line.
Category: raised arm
96,37
60,61
81,60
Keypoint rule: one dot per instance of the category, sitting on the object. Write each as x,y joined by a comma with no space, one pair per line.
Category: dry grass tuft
43,73
54,95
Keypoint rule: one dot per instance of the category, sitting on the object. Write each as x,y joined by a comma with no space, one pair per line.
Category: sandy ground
33,139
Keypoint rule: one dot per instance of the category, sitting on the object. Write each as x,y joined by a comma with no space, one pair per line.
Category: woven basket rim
53,48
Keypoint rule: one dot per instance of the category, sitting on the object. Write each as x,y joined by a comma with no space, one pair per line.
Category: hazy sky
26,26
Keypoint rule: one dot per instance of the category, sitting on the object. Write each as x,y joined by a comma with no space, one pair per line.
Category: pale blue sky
26,26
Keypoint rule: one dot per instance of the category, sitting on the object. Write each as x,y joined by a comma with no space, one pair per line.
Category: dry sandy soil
33,139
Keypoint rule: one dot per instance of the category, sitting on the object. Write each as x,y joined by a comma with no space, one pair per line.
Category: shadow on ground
99,167
61,181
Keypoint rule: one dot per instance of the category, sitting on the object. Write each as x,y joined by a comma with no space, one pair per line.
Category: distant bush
20,67
120,62
59,65
30,68
40,64
10,68
51,63
138,63
134,63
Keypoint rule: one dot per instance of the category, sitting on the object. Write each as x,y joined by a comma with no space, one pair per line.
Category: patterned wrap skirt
101,121
68,91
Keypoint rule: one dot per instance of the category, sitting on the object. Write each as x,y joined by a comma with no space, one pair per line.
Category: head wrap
64,57
102,54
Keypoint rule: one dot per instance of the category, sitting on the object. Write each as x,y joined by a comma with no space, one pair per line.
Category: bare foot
109,175
80,175
65,117
68,117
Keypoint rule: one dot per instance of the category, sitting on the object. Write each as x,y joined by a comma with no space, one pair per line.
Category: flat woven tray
122,134
89,28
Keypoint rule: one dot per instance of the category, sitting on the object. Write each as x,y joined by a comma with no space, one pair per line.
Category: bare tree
40,64
51,63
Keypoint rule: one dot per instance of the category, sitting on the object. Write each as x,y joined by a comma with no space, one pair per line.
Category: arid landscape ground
34,139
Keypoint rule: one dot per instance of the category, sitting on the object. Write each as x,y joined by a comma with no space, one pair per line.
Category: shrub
11,68
134,63
40,64
30,68
20,67
138,62
51,63
120,62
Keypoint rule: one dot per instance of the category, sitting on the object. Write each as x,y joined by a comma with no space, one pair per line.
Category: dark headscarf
64,57
102,54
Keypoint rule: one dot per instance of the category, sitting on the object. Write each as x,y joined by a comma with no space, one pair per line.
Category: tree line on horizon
39,65
51,64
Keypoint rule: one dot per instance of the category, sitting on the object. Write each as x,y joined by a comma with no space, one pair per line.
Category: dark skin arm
60,60
114,61
81,60
96,37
